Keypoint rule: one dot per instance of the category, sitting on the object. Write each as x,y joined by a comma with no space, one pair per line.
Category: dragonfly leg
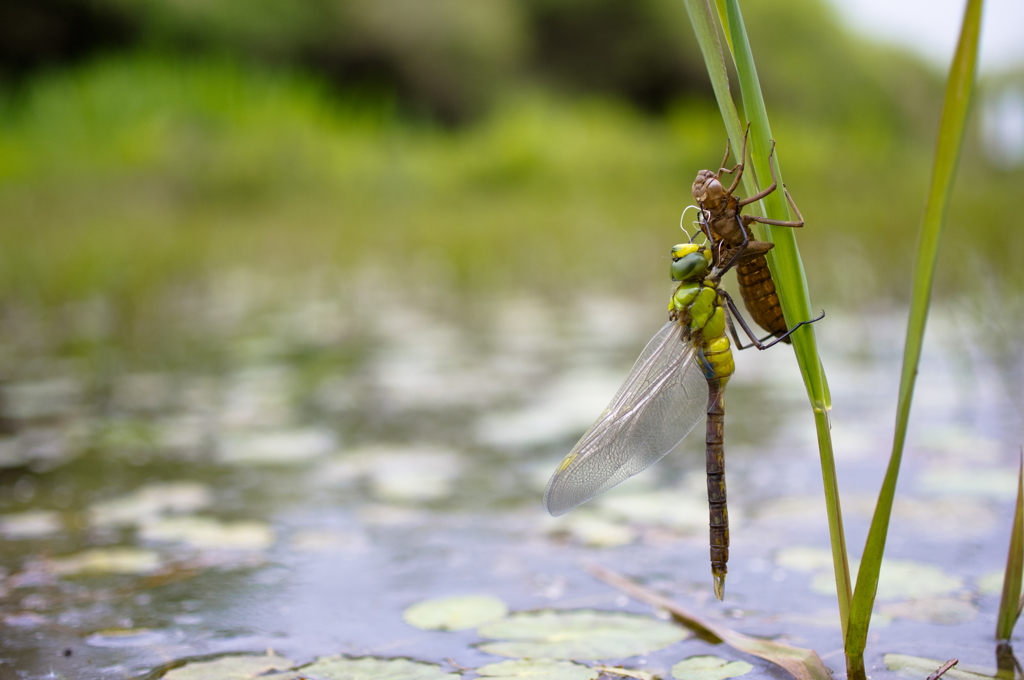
764,192
718,512
739,165
760,344
735,336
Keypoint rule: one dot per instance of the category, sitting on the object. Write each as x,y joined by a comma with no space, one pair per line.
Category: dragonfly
678,379
724,225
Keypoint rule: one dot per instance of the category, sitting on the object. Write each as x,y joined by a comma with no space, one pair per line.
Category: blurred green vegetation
217,142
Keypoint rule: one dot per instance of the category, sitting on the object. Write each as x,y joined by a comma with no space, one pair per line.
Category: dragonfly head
690,262
707,190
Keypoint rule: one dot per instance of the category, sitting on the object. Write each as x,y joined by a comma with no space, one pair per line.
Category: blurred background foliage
544,144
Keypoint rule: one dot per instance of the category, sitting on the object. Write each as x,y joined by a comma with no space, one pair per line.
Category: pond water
347,451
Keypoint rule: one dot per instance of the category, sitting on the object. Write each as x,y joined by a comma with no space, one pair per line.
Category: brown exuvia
728,230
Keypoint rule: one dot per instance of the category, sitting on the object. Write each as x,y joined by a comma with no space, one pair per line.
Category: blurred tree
450,59
41,33
642,50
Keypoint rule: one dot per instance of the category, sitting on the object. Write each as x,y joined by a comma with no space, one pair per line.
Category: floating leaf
672,508
990,583
709,668
943,610
998,483
593,531
106,561
209,533
230,668
31,524
150,502
538,669
128,637
917,667
455,613
370,668
901,579
804,558
282,447
580,634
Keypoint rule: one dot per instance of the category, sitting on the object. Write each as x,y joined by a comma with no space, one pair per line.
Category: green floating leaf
709,668
947,611
593,531
206,533
31,524
899,579
917,667
106,561
538,669
230,668
455,613
580,634
371,668
990,583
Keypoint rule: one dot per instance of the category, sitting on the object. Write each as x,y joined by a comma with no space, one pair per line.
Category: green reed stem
947,155
784,260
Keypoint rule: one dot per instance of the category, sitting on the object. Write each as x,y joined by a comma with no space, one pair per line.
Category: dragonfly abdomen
718,512
759,295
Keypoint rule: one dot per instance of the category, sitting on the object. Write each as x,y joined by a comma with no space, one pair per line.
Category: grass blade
947,155
1009,605
802,664
791,282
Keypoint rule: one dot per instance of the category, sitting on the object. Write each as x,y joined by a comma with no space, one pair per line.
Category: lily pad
917,667
455,613
106,561
991,583
208,533
593,531
282,447
538,669
899,579
151,501
578,634
804,558
671,508
371,668
943,610
709,668
230,668
31,524
126,637
998,483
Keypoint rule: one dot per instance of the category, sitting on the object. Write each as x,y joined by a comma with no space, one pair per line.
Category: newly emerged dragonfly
678,379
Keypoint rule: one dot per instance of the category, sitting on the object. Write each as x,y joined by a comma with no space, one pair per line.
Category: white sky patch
931,28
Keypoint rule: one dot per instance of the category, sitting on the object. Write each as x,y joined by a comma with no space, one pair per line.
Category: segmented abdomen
719,520
759,296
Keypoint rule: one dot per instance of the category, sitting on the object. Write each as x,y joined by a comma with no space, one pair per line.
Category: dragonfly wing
664,396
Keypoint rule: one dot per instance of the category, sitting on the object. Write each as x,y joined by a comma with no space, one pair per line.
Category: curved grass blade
1009,604
802,664
947,155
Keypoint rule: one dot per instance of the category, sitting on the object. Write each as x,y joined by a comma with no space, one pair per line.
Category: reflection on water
318,461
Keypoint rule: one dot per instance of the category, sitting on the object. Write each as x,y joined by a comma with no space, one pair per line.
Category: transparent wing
664,396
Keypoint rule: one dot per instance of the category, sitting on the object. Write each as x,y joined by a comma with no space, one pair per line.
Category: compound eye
689,267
